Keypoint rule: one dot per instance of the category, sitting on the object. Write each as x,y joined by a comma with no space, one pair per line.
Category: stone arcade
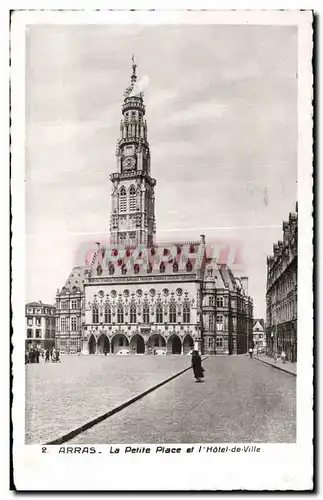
138,297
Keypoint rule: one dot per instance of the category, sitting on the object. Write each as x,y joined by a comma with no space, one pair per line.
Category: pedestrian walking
283,357
47,356
250,352
31,355
197,366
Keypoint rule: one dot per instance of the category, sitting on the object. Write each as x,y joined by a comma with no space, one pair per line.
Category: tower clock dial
129,163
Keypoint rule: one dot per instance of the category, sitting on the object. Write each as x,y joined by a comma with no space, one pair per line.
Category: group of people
33,355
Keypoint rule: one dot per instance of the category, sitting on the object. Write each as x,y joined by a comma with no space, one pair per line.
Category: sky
221,110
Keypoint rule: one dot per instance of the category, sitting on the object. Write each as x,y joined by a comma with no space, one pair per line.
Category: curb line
70,435
277,367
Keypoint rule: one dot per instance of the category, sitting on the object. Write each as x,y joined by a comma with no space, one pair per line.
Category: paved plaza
241,400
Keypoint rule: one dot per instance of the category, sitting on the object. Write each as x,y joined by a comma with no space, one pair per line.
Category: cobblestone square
242,400
63,396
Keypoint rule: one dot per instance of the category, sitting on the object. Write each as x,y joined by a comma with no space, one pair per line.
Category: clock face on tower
129,163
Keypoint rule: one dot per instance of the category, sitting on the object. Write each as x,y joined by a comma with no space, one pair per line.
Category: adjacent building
142,297
40,325
281,296
259,333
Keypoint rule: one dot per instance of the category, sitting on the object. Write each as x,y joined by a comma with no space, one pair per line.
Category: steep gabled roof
260,321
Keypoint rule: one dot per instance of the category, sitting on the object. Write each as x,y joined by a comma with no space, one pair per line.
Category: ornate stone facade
281,296
138,297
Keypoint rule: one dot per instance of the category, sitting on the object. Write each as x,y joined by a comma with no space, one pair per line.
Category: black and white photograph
162,194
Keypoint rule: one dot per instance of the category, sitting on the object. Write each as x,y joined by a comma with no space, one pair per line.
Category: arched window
123,199
189,266
107,314
159,313
175,267
133,314
186,313
132,199
145,313
162,267
95,315
136,268
172,313
124,269
120,314
111,269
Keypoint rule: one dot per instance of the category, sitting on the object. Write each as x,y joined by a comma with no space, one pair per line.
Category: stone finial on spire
134,67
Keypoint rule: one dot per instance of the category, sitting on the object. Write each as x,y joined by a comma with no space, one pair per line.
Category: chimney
244,282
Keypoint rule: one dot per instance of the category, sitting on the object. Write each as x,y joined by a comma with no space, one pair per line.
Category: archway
188,344
137,344
174,345
156,344
120,344
103,344
92,345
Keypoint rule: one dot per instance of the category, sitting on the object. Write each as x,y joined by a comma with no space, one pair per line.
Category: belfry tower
133,196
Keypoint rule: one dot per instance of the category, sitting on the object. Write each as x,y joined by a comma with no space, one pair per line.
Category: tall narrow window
219,322
211,322
74,304
73,324
175,267
133,314
162,267
159,313
95,315
120,317
186,313
123,199
172,313
111,269
145,313
132,199
219,301
188,266
211,301
107,314
63,324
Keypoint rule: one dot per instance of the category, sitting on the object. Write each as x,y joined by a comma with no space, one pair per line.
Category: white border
281,466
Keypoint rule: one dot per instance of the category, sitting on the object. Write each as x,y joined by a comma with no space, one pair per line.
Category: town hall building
136,296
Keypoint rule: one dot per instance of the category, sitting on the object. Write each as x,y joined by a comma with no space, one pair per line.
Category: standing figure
197,366
46,356
283,357
250,352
